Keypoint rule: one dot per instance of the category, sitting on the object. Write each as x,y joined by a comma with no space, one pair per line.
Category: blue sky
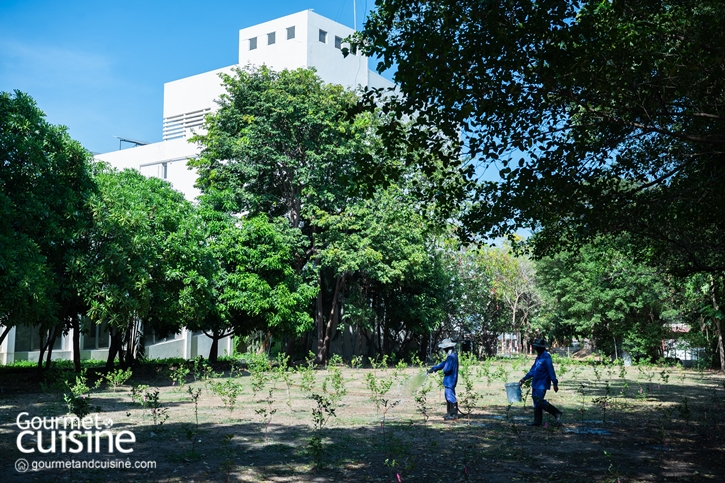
99,68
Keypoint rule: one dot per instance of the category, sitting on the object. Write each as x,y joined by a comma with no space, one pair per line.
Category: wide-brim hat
539,343
447,344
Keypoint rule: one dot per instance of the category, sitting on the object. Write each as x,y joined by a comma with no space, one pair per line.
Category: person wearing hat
543,375
450,377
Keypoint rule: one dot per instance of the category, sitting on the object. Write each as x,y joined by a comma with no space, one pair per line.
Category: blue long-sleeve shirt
542,372
450,370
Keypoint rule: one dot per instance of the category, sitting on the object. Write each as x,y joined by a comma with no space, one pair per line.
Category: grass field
628,424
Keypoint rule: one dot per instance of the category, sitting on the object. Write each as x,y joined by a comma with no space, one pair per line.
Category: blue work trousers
538,396
451,395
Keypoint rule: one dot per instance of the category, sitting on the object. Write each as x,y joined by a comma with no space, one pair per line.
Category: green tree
282,144
44,186
599,293
147,267
379,253
600,117
256,286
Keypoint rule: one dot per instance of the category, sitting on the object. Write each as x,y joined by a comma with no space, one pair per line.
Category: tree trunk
76,330
319,318
716,321
113,348
53,334
214,349
323,349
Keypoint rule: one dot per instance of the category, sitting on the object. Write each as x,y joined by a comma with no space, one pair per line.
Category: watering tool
513,392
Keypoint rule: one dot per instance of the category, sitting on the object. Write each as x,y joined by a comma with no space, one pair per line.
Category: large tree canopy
44,186
601,117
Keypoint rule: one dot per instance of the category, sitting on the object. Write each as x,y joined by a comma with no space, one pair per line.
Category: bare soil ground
658,424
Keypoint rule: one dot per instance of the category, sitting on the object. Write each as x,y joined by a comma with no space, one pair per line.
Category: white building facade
301,40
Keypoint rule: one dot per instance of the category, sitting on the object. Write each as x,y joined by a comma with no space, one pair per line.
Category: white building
303,39
300,40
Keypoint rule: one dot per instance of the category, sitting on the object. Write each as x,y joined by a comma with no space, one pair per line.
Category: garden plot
253,422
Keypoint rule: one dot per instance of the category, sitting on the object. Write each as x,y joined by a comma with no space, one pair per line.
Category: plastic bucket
513,392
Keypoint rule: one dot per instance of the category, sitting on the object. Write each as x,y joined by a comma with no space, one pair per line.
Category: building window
28,339
290,32
323,36
253,43
338,42
271,38
98,336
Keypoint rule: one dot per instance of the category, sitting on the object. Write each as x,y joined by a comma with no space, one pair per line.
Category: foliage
266,413
468,397
320,415
44,188
118,377
307,372
600,293
179,374
256,286
148,262
78,395
600,117
228,391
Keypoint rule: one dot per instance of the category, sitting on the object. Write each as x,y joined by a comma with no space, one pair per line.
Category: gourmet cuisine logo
70,434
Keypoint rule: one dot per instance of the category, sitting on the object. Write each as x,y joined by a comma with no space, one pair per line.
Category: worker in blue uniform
543,376
450,377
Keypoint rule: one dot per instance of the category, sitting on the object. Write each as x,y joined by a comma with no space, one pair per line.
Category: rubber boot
553,411
448,411
452,413
538,417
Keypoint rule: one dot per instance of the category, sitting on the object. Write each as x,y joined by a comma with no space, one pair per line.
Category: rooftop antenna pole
354,15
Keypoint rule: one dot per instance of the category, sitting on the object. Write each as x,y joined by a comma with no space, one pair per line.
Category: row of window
272,38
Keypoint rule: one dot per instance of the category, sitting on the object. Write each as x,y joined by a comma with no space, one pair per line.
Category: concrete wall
150,160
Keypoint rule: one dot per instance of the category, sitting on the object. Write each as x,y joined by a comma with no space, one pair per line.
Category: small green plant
281,372
78,396
399,370
469,397
421,399
336,382
665,376
228,391
178,374
229,452
320,415
597,372
192,432
266,413
159,414
387,405
613,469
259,372
117,378
378,386
603,402
356,362
582,392
307,374
501,373
487,372
201,370
137,394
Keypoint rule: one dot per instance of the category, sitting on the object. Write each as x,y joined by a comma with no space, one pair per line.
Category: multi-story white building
300,40
304,39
